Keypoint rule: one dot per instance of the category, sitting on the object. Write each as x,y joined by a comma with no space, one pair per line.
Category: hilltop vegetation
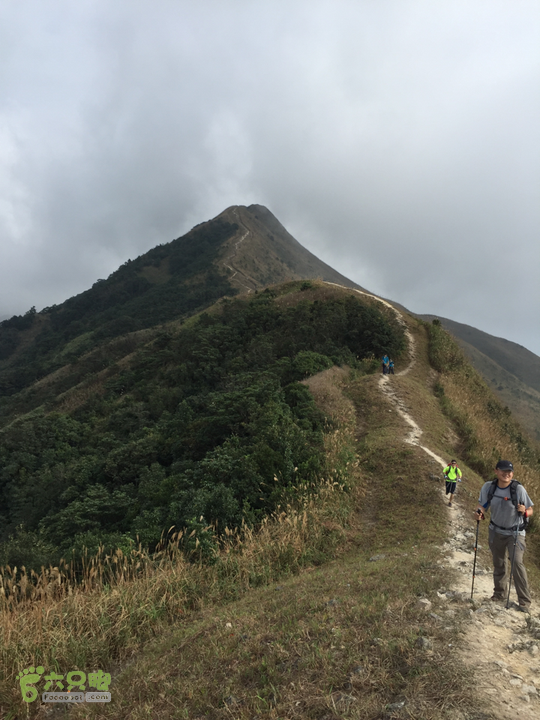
205,424
170,281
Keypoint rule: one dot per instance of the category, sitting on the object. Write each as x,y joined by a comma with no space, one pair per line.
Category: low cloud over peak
397,141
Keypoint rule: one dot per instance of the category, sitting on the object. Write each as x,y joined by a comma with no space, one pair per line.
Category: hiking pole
512,565
474,564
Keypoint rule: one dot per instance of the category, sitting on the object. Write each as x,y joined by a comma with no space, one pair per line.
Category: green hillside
312,612
511,371
207,420
215,499
168,282
43,354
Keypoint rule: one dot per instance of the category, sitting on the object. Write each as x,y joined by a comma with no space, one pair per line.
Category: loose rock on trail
500,647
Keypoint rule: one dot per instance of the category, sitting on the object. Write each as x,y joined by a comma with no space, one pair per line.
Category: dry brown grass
334,641
327,390
69,618
80,394
496,436
272,628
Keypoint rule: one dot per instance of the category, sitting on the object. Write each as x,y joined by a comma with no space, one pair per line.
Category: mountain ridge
511,370
241,250
185,468
269,253
295,602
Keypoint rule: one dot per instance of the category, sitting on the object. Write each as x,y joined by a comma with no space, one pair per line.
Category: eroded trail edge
500,647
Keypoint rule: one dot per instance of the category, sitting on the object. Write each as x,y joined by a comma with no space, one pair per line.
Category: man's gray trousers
499,545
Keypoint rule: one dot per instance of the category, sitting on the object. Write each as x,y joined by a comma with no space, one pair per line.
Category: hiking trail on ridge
500,647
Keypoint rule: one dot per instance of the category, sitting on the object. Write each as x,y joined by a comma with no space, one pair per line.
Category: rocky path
500,647
229,260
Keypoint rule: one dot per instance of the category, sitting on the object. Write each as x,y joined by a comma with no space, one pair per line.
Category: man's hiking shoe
449,504
497,598
524,609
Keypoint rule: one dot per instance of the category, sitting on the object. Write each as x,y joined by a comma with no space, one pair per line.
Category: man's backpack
449,466
513,497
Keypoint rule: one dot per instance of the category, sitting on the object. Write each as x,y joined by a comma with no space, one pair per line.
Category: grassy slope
522,398
340,639
511,371
516,359
61,345
298,622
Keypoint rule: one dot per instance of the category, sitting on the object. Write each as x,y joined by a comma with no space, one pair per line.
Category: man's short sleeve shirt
453,473
503,512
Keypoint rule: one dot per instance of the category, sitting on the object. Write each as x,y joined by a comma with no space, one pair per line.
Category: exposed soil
496,646
228,261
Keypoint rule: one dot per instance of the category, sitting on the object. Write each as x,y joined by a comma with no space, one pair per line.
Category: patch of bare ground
159,274
499,647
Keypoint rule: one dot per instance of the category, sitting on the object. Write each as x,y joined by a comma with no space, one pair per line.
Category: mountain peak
262,252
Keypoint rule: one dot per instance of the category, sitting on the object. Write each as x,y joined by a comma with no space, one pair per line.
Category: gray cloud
397,140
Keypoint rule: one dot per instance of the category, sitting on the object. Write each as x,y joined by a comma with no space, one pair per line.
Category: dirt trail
498,646
231,257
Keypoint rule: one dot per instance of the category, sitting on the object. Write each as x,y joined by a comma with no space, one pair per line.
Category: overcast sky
398,140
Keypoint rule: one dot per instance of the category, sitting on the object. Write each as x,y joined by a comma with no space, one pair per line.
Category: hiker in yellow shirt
451,474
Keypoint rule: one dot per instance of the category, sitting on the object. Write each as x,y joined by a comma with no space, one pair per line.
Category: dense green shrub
124,302
209,422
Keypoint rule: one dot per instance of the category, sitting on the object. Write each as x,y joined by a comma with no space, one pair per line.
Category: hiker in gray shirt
509,504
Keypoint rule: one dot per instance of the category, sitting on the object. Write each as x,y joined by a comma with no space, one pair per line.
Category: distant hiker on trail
391,367
385,363
451,474
510,507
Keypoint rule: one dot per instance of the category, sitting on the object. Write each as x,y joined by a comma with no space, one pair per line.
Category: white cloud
398,140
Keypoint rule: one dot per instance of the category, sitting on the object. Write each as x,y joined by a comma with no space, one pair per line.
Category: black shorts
451,487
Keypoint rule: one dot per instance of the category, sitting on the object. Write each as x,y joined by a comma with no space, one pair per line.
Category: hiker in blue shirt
385,362
391,367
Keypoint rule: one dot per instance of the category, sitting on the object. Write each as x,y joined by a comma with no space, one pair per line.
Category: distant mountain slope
242,249
263,252
512,371
168,282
